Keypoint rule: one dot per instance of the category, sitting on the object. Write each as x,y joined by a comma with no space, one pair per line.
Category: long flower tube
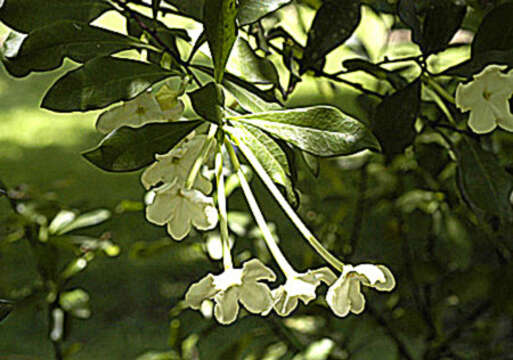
298,286
221,204
201,158
312,240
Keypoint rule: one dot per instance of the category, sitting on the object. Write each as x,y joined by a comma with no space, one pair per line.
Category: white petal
283,304
254,270
482,120
256,297
356,298
468,94
227,306
325,275
338,297
159,212
389,283
179,225
200,291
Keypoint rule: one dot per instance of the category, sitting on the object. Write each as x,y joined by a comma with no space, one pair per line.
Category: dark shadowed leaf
443,18
253,10
269,154
479,61
483,182
129,149
312,162
394,119
191,8
208,102
27,15
408,14
496,31
334,23
101,82
221,30
320,130
46,47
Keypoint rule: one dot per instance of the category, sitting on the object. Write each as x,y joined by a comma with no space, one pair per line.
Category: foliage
416,185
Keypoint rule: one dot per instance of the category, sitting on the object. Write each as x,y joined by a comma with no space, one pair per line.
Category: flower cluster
244,285
487,98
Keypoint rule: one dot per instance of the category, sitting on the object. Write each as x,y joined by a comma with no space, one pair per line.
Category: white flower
345,295
137,112
231,287
181,208
487,99
300,287
176,164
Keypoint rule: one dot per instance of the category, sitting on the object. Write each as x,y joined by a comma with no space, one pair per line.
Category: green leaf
208,102
191,8
495,31
27,15
101,82
269,154
334,23
394,119
221,30
155,5
483,182
45,48
312,162
248,100
408,14
5,309
251,11
442,19
395,79
129,149
320,130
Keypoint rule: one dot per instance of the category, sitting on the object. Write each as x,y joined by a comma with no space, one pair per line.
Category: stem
221,204
436,87
296,220
193,173
259,218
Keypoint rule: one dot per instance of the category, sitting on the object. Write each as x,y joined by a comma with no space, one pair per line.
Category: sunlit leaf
101,82
129,149
251,11
320,130
221,30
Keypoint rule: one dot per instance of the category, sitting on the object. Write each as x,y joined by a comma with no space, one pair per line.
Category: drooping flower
176,165
487,99
180,208
345,294
233,286
300,287
141,110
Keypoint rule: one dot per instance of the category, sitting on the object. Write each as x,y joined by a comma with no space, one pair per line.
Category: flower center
297,287
140,110
486,94
229,278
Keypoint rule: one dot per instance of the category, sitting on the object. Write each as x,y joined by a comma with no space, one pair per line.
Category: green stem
437,88
221,204
193,173
296,220
259,218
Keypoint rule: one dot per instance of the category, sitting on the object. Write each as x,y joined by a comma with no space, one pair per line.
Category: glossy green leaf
394,119
269,154
208,102
46,47
442,19
129,149
495,31
101,82
320,130
483,182
247,100
251,67
5,309
333,24
251,11
221,30
27,15
191,8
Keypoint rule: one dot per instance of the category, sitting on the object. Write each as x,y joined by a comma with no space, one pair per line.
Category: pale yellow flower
345,294
232,286
487,99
